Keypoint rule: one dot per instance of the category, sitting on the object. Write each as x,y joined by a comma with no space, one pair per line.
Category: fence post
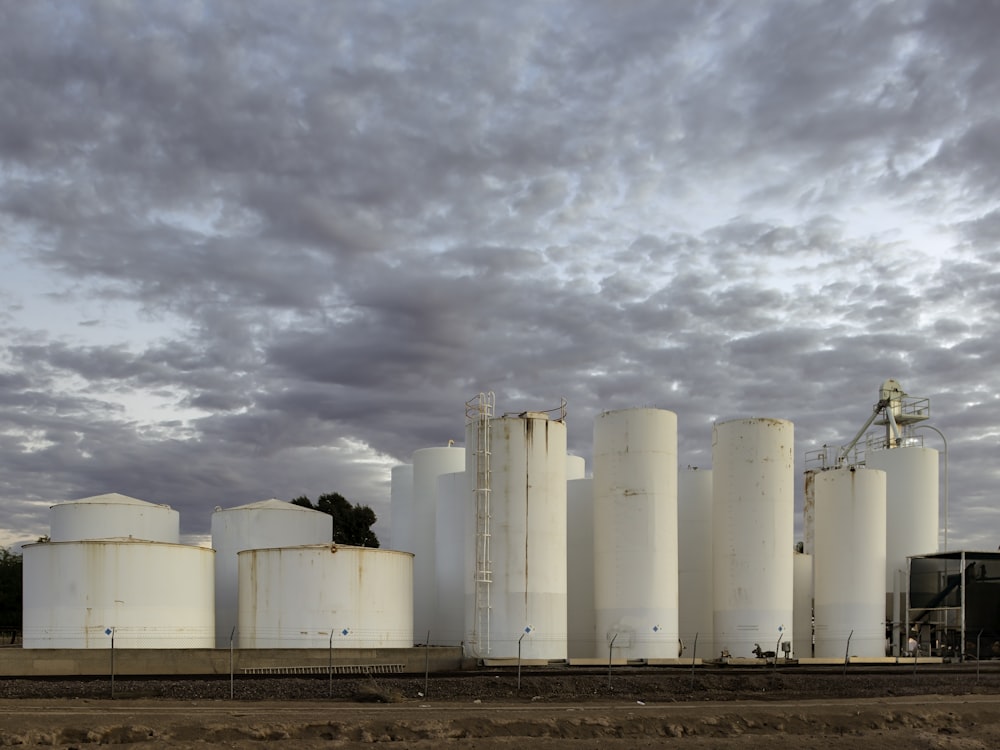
427,661
232,666
611,651
847,651
694,654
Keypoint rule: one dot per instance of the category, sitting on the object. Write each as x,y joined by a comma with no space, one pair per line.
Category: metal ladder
481,410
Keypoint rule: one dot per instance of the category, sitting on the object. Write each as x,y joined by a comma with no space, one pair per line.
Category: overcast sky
262,249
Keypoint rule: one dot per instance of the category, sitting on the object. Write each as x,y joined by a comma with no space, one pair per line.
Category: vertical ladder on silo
483,413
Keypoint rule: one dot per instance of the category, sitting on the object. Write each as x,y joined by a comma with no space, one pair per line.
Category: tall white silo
452,570
802,604
149,595
694,567
401,507
848,562
752,533
911,504
520,595
325,595
428,465
635,533
265,524
113,516
581,622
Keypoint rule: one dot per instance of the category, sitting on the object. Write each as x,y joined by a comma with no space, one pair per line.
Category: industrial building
505,548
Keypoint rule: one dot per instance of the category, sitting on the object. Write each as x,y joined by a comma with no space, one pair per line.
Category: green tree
352,524
11,585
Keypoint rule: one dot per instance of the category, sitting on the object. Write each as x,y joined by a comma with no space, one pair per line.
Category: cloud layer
258,249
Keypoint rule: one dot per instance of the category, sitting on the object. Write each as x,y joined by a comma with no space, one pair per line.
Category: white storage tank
581,623
401,508
802,596
635,533
753,533
428,465
527,589
113,516
911,504
319,596
694,547
269,523
148,595
848,562
576,468
454,505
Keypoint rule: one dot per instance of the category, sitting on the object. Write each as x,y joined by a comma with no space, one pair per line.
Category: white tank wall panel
635,533
113,516
266,524
809,511
317,595
455,502
694,566
911,504
753,533
401,508
848,562
528,528
428,465
802,601
576,468
152,594
582,625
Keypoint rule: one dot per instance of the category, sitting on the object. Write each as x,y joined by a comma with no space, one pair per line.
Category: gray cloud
333,224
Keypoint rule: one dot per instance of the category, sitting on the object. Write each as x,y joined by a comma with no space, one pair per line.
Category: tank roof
111,498
273,504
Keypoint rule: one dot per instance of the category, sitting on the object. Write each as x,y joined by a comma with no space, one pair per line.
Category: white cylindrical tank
802,596
428,465
580,571
576,468
269,523
454,503
848,562
809,510
753,527
401,507
146,594
911,504
635,533
316,596
694,548
113,516
527,593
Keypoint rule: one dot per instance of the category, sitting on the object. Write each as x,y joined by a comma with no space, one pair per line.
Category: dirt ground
782,711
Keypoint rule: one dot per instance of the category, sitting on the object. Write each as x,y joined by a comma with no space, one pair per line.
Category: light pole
945,454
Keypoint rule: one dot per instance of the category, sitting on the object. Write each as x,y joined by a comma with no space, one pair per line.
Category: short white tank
635,533
149,595
576,468
911,504
454,505
318,596
265,524
580,571
753,528
113,516
848,562
428,465
528,539
694,546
